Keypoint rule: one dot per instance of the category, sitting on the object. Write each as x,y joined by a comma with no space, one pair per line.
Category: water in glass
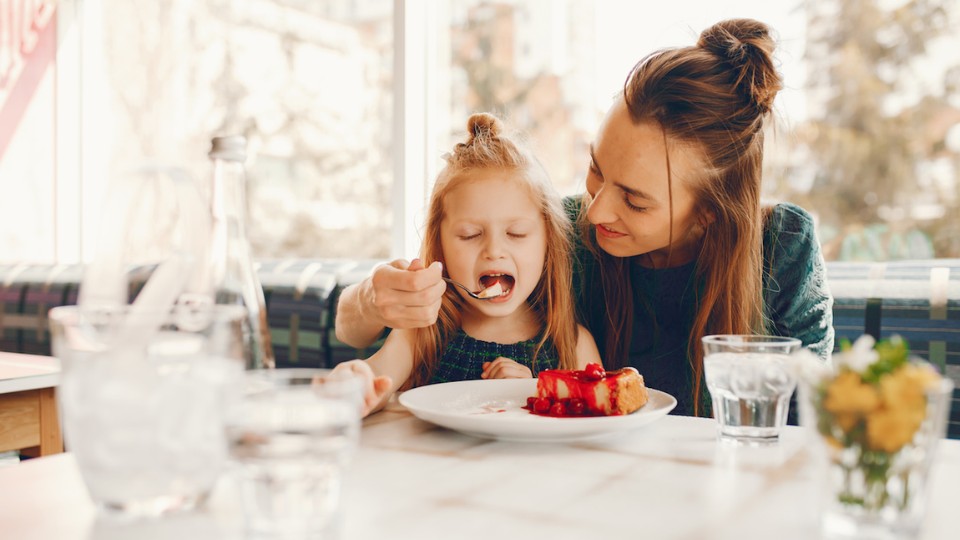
751,393
292,439
144,419
750,379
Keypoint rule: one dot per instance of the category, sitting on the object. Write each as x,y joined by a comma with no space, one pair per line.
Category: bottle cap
231,147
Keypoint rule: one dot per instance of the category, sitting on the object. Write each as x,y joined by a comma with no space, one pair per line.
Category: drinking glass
292,432
750,381
142,397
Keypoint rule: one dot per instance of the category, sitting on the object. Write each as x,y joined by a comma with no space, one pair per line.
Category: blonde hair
552,299
712,99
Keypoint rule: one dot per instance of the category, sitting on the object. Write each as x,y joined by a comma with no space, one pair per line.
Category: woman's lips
608,233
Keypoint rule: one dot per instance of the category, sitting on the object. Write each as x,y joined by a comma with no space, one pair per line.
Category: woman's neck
520,325
668,257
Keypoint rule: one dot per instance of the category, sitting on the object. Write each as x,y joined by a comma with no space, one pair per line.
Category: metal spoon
477,294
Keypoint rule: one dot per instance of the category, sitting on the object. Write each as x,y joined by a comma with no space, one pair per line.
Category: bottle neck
228,201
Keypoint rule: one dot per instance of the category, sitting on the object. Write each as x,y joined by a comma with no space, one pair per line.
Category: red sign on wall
28,38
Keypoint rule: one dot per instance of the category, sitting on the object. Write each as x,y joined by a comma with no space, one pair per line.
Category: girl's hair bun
747,46
483,125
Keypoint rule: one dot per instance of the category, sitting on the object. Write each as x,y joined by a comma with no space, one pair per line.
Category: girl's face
493,230
629,204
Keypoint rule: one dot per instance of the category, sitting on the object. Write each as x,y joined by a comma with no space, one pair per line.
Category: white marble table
411,480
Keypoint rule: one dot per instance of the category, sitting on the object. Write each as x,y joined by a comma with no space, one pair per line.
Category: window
868,136
308,83
348,106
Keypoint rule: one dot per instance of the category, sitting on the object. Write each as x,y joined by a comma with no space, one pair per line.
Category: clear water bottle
234,279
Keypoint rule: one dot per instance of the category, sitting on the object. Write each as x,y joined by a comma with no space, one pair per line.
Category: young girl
494,218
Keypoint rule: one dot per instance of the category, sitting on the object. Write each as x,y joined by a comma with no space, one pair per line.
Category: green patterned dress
464,357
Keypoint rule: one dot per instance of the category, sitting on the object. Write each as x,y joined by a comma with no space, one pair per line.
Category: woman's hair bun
747,46
483,125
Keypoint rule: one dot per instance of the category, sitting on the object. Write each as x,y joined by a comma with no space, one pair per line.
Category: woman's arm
395,295
352,326
798,299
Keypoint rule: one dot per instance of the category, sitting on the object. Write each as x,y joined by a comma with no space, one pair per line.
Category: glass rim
74,312
747,339
273,375
290,372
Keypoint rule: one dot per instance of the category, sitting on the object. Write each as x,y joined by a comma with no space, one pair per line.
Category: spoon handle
464,287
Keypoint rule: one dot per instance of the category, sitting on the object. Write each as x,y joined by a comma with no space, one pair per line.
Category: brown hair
712,99
552,299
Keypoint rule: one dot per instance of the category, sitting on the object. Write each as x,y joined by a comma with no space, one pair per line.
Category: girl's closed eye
517,235
468,234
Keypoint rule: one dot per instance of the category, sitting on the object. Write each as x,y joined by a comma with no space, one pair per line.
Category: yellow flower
904,389
849,399
903,394
890,429
923,374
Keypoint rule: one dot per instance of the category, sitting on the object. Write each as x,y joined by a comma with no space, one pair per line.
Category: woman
673,242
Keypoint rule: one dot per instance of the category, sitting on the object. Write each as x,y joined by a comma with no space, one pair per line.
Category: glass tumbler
291,433
750,381
142,395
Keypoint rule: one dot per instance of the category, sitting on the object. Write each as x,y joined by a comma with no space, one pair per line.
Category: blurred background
348,106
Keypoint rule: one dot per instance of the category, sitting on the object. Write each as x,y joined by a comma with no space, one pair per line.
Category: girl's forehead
493,182
490,197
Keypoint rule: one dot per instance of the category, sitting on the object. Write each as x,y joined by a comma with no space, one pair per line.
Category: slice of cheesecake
492,291
588,392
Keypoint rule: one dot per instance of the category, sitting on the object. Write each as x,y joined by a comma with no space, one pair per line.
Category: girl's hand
375,387
505,368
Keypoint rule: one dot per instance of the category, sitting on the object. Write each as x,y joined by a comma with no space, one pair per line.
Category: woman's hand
402,295
505,368
375,388
396,295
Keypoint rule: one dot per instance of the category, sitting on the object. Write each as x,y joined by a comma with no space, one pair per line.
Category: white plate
493,409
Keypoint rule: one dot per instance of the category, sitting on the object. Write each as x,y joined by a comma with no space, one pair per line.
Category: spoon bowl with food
487,293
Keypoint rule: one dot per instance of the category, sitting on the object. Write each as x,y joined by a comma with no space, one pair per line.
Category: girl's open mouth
496,285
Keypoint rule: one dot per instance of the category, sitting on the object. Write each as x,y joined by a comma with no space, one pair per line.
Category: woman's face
629,204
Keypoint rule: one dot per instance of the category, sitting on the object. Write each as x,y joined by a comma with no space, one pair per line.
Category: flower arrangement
880,413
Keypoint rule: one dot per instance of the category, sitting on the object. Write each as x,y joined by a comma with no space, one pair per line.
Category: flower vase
877,436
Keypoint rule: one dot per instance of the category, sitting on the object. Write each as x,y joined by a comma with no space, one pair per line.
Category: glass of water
292,432
142,396
750,381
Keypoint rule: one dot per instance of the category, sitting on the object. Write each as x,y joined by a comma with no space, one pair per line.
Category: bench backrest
919,300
